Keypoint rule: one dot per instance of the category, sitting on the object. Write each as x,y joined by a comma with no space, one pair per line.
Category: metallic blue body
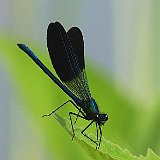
49,73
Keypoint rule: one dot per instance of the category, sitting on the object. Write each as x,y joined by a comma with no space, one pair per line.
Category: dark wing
61,52
68,58
76,38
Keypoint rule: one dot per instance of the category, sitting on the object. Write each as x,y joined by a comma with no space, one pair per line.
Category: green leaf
107,151
150,156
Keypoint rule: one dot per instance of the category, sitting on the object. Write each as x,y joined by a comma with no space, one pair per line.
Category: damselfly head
101,119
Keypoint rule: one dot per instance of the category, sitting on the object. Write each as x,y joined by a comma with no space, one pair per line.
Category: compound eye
97,115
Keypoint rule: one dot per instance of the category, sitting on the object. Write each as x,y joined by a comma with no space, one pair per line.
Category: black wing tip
53,24
52,27
56,22
74,29
59,25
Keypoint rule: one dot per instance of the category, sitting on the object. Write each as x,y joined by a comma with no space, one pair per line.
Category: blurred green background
122,48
